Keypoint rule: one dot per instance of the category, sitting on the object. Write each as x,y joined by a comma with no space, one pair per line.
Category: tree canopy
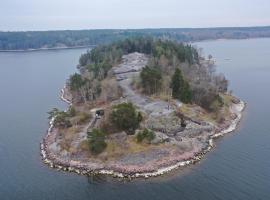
180,87
126,118
196,82
151,79
96,140
23,40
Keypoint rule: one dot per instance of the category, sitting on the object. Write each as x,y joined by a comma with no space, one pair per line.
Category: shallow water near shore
237,168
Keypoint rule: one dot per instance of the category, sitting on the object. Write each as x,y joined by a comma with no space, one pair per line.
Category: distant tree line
72,38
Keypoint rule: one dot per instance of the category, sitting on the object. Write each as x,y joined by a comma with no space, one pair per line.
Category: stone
160,138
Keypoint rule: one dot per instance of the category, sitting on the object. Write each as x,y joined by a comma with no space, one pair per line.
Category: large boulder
160,138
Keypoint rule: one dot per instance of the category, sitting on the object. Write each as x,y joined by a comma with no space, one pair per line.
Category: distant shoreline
93,45
48,49
227,39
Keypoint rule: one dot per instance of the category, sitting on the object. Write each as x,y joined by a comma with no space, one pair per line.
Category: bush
125,117
83,117
96,140
61,118
216,104
145,134
71,111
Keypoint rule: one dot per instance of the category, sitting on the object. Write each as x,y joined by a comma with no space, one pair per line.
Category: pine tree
186,93
180,88
177,83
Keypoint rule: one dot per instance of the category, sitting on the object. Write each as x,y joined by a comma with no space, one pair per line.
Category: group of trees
123,117
95,65
172,65
191,78
62,118
76,82
206,84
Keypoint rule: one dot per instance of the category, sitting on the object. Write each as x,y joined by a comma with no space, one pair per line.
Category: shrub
83,117
216,104
96,140
61,118
125,117
145,134
53,113
71,111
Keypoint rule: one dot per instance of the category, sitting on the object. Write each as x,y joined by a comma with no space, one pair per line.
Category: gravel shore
147,164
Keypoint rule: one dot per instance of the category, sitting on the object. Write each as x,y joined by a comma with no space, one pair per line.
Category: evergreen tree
151,79
180,88
186,94
126,118
96,140
177,84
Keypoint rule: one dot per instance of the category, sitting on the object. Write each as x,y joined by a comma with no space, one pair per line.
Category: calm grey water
239,168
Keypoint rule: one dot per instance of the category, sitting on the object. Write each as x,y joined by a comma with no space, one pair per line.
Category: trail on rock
130,68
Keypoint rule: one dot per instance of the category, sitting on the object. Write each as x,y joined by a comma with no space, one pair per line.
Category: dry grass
68,136
196,112
84,146
114,150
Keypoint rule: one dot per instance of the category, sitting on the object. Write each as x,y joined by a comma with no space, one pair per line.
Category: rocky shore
148,170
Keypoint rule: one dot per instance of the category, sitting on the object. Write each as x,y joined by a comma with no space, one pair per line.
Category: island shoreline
77,168
45,49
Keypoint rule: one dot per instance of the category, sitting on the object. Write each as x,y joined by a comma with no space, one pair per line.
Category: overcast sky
96,14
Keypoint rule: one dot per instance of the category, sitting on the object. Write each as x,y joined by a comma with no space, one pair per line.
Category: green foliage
180,87
96,140
169,49
216,104
76,82
112,53
61,118
53,113
99,61
165,56
140,117
186,94
177,84
145,135
151,79
71,111
125,117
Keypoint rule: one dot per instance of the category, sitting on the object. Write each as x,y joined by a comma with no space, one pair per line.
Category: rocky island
138,108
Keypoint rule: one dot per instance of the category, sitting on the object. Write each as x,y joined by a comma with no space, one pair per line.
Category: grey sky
92,14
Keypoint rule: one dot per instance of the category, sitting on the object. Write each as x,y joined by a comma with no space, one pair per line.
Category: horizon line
130,29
